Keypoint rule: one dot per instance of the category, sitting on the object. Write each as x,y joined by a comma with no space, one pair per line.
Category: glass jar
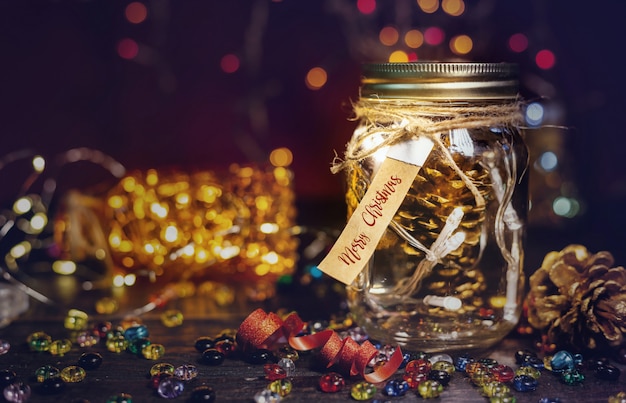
448,270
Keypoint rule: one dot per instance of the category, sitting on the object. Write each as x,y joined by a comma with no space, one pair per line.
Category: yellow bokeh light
182,198
20,250
270,258
116,201
118,281
281,157
398,56
39,221
129,279
269,228
316,78
453,7
414,38
64,267
262,269
22,205
428,6
171,233
158,209
229,252
262,203
388,36
461,44
152,178
39,164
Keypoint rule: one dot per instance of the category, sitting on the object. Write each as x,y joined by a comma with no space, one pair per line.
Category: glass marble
90,361
170,388
172,318
363,391
288,365
203,393
267,396
136,332
162,367
430,389
524,383
121,398
76,320
186,372
212,356
281,386
274,372
153,351
395,387
73,374
46,372
39,341
17,392
60,347
332,382
5,346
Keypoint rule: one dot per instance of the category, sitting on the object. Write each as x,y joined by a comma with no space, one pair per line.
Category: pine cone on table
579,299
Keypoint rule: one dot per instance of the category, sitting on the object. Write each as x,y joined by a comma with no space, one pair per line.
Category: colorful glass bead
549,400
186,372
107,306
5,346
287,352
87,338
172,318
413,355
562,360
441,357
522,355
524,383
203,393
116,344
495,389
413,379
267,396
46,372
430,389
17,392
281,386
482,377
7,377
358,334
503,399
121,398
153,351
51,386
60,347
288,365
155,380
162,368
474,366
259,356
503,373
211,356
534,362
73,374
90,361
572,377
170,388
204,342
419,366
443,377
461,362
607,372
332,382
274,372
39,341
130,321
102,328
136,332
488,362
395,387
363,391
620,397
226,347
530,371
137,346
443,366
76,320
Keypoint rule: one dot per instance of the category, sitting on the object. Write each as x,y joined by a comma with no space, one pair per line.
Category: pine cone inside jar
579,298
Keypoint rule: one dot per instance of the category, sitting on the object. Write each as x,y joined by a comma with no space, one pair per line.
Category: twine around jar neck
395,121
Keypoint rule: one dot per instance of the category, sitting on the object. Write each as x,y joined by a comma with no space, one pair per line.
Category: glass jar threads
446,272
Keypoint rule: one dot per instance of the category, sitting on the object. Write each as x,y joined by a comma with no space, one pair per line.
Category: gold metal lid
434,81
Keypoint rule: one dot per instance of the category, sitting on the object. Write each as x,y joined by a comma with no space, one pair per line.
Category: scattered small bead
60,347
331,382
534,362
396,387
90,361
87,338
522,356
5,346
18,392
419,366
549,400
162,367
267,396
572,377
430,389
620,397
39,341
482,377
287,352
443,366
155,380
7,377
121,398
441,357
73,374
607,372
461,361
226,347
443,377
172,318
562,360
529,371
76,320
46,372
102,328
203,343
136,332
116,344
130,321
170,388
137,346
186,372
211,356
503,373
488,362
153,351
257,357
363,391
202,393
51,386
474,366
524,383
503,399
413,379
274,372
281,386
288,365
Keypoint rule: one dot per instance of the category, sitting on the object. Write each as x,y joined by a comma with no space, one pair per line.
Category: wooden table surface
235,380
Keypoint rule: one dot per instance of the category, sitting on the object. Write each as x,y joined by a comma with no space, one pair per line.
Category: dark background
63,85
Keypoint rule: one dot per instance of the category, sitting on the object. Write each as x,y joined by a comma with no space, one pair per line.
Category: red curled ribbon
263,330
